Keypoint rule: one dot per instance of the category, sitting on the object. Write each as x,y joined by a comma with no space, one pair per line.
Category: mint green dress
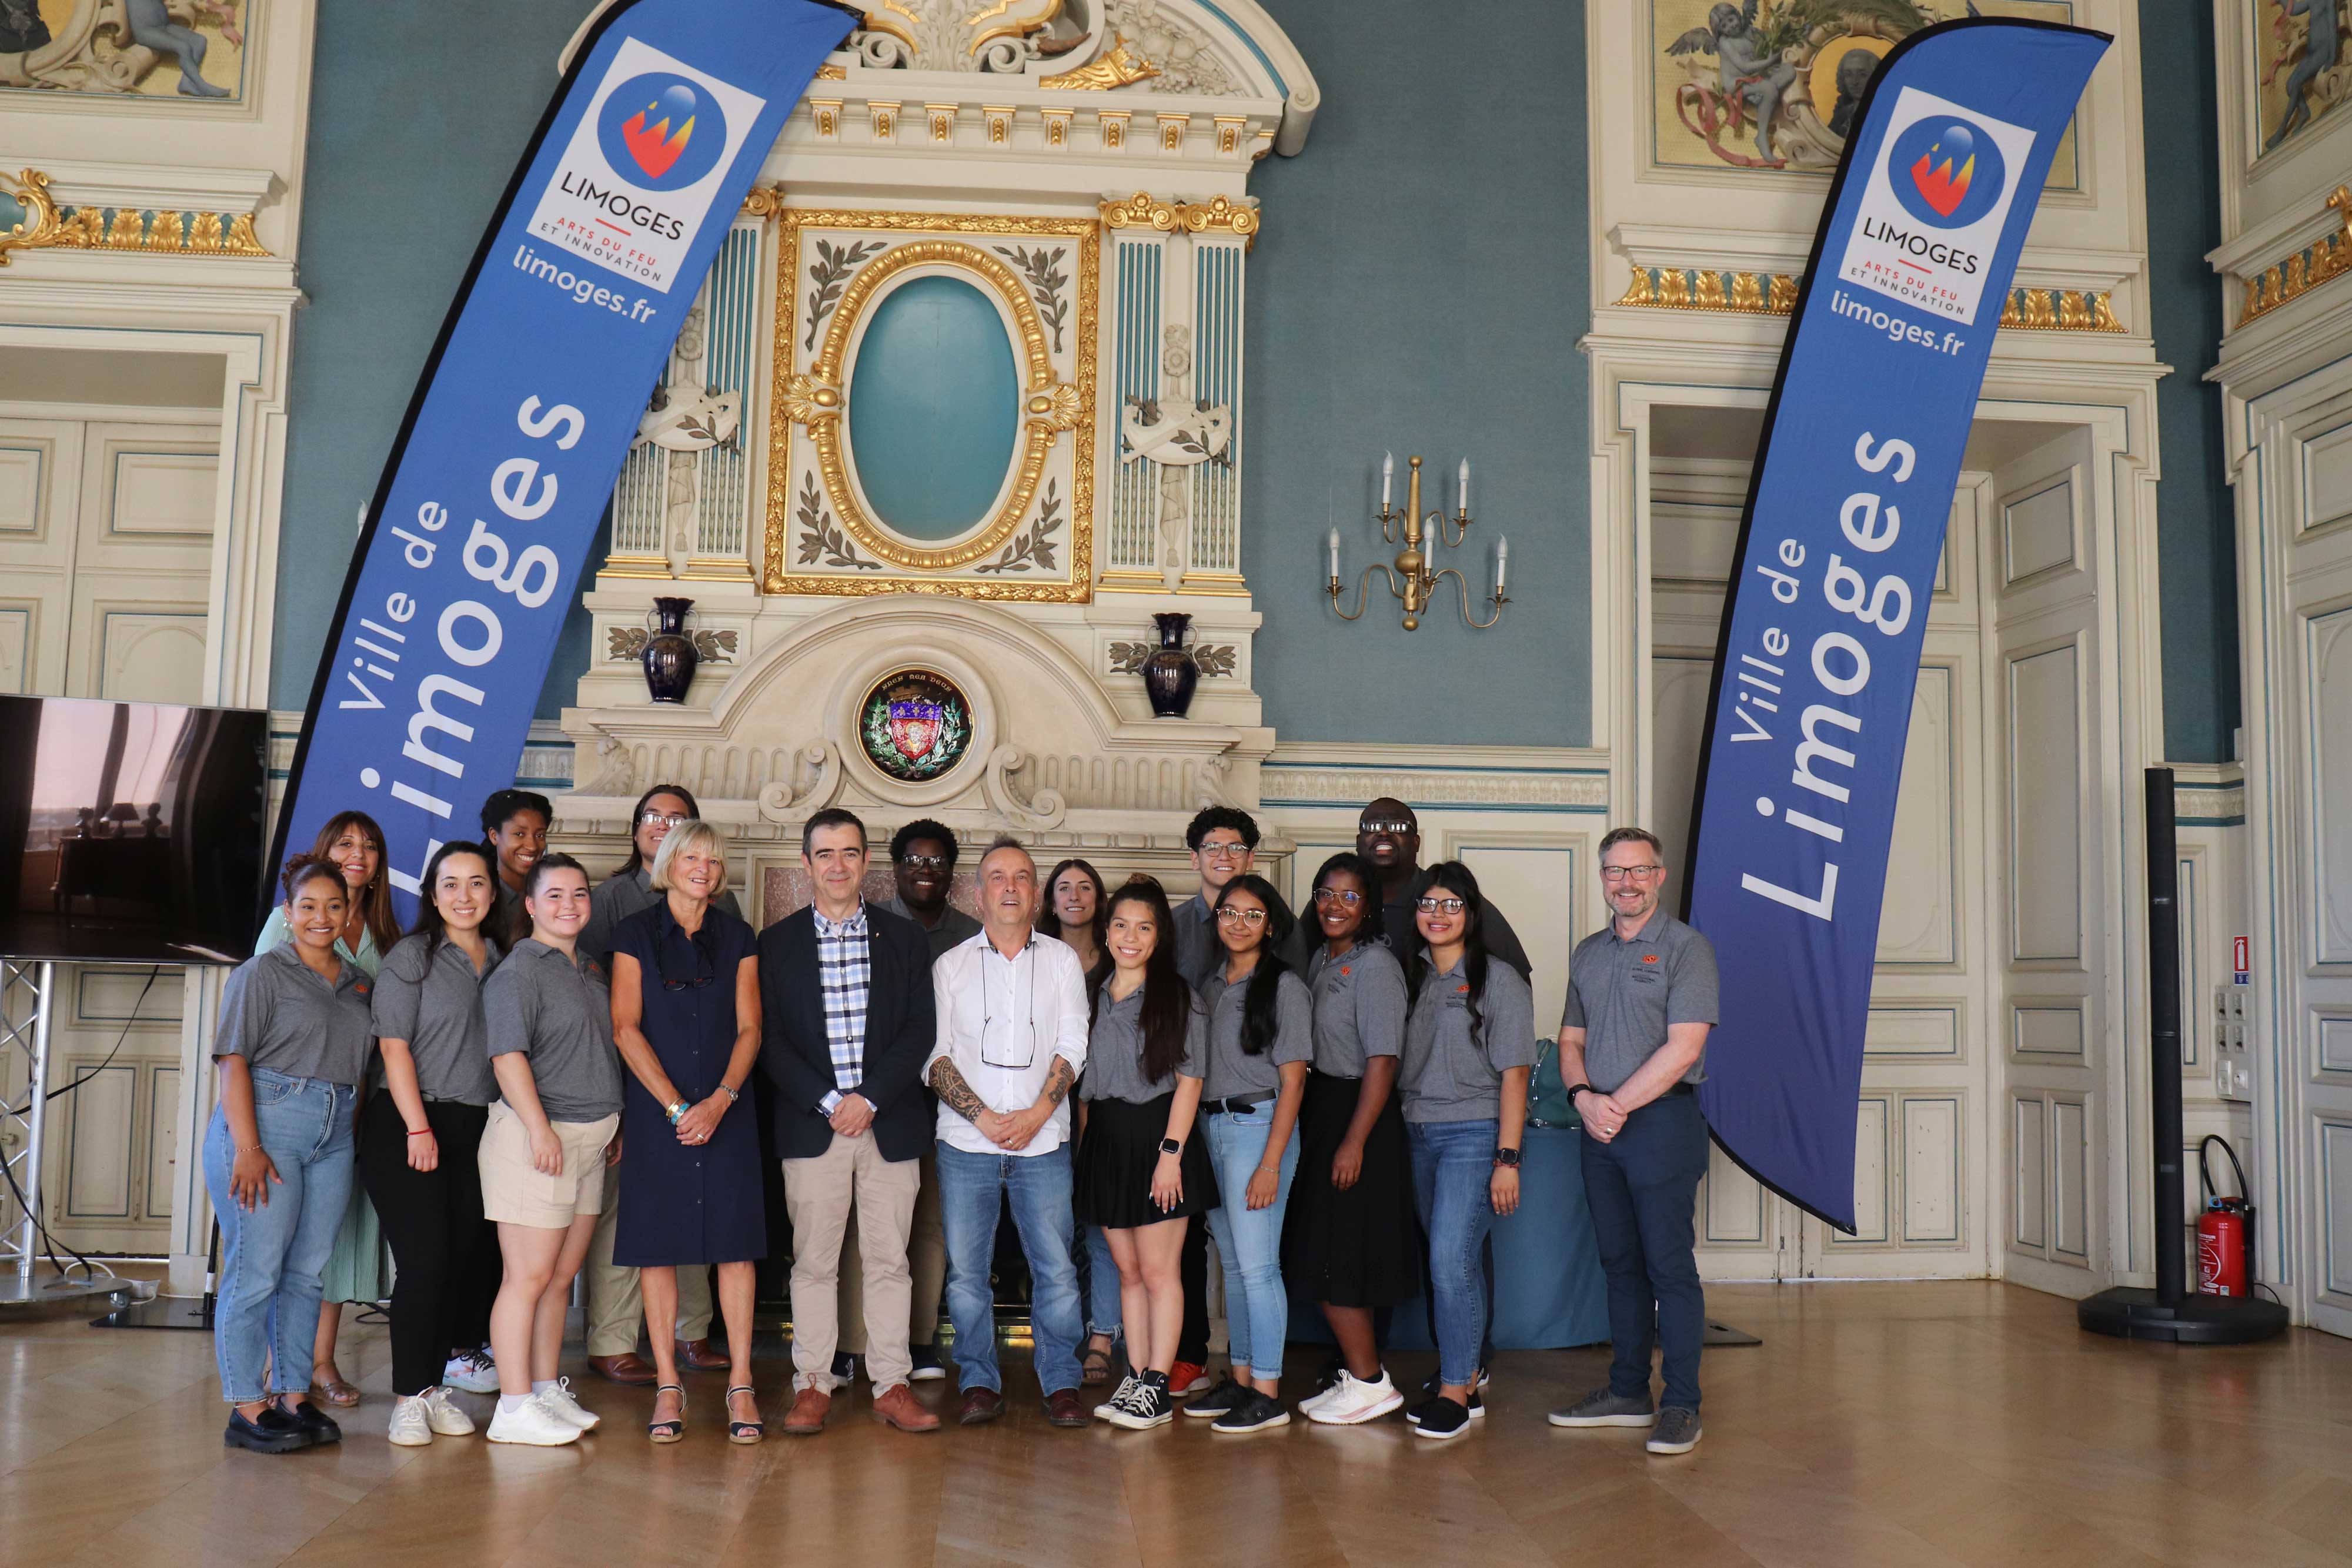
355,1270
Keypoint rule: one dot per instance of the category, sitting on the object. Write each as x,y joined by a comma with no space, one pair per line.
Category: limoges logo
1937,197
636,180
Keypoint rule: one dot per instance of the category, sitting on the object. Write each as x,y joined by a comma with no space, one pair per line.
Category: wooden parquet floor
1920,1425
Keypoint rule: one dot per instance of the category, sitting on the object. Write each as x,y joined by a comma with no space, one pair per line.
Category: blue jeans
267,1310
1452,1170
1103,1309
1039,1188
1643,1188
1249,1242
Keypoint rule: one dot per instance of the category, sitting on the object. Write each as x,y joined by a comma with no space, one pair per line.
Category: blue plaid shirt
845,972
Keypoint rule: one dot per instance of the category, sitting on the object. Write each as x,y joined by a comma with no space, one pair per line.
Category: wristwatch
1171,1147
1507,1158
1573,1090
732,1095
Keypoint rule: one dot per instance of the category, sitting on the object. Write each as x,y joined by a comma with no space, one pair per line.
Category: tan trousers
616,1306
927,1262
818,1195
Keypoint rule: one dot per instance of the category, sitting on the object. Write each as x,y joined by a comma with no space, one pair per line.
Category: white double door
1982,1136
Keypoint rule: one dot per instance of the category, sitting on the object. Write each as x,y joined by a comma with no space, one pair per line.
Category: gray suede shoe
1603,1408
1676,1433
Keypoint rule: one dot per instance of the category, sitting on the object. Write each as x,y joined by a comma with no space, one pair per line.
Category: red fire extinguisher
2225,1231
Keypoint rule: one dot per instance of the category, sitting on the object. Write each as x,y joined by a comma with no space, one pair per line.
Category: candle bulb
1388,474
1502,562
1462,488
1335,555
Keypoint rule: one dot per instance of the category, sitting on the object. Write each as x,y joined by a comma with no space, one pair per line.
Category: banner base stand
1720,1337
2129,1312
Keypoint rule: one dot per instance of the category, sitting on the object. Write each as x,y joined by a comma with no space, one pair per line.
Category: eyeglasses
662,818
1619,873
1370,826
1234,914
1338,895
1438,905
1223,852
926,862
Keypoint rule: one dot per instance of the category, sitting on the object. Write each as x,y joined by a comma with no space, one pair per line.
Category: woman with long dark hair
420,1141
353,845
1142,1175
1350,1234
1077,910
1261,1038
292,1046
1469,1046
555,1128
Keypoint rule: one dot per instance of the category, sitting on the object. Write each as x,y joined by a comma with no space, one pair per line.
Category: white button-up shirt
1003,1021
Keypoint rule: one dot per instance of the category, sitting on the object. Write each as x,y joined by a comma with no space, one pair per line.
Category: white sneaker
1352,1402
560,1400
474,1373
412,1426
535,1422
445,1419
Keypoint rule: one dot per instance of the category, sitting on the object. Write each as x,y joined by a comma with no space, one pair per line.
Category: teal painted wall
416,120
1421,288
2196,523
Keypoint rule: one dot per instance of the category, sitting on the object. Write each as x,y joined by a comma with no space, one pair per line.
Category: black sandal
742,1431
1095,1366
672,1430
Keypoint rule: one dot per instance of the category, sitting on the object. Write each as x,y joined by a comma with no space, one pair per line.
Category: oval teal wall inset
934,408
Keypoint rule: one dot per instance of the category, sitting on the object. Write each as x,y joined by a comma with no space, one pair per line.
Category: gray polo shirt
620,895
1451,1072
955,927
1623,995
1232,1071
434,1001
1359,1008
1404,932
1198,951
1114,1052
277,1014
557,1012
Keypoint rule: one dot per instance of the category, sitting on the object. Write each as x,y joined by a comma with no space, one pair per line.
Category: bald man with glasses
1388,834
1641,995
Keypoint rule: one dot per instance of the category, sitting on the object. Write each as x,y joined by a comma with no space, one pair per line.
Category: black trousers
1193,1274
444,1254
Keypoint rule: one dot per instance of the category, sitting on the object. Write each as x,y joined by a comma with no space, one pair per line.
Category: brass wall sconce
1410,578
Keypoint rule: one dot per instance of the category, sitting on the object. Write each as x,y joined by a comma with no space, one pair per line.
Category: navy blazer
900,1029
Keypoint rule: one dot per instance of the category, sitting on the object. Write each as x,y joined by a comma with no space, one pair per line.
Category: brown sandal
343,1395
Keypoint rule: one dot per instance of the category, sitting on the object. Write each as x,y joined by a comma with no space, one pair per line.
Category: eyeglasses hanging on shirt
706,968
1017,1049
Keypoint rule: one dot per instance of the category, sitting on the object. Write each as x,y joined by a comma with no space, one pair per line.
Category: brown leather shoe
807,1418
899,1408
980,1404
629,1368
696,1356
1064,1409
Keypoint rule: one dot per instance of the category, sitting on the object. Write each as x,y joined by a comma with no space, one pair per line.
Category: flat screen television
131,832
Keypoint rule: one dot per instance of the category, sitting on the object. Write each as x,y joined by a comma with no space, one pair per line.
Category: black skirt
1361,1247
1111,1181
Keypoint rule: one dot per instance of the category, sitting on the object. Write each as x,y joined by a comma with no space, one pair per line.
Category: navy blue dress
685,1204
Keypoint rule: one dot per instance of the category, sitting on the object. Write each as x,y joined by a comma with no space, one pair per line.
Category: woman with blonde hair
686,1014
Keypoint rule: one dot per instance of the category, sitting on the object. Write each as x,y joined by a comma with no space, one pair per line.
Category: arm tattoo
1059,1082
954,1093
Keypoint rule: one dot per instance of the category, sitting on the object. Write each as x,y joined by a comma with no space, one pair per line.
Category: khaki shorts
515,1192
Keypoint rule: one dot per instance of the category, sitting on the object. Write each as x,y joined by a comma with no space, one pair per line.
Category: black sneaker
928,1368
1430,1384
316,1422
1255,1413
1143,1406
844,1368
1413,1414
272,1432
1440,1417
1218,1401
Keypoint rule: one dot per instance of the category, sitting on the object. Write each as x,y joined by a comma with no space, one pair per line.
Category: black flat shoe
273,1432
317,1423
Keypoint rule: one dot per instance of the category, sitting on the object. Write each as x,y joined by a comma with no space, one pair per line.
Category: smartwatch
1507,1158
1171,1147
